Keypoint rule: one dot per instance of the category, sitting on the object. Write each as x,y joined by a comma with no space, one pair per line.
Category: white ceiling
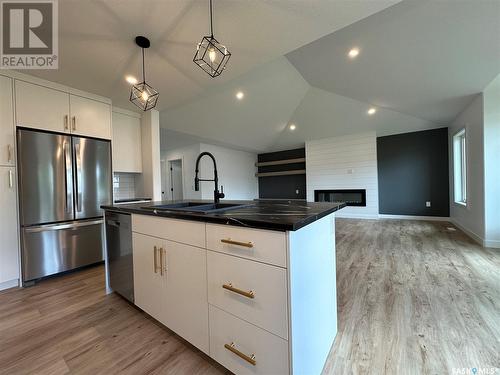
423,58
276,95
96,40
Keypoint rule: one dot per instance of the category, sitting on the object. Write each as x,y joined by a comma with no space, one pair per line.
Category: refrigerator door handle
78,178
67,176
42,228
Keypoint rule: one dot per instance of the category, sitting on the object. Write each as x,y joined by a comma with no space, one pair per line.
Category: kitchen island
254,286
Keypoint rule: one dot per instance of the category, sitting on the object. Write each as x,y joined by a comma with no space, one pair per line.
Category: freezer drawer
50,249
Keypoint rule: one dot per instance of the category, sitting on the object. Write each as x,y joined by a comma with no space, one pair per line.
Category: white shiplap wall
346,162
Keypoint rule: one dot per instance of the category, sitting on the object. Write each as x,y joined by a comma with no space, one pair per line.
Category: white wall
188,155
492,163
470,218
345,162
236,171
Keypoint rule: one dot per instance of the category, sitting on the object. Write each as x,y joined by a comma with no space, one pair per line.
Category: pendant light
211,56
143,95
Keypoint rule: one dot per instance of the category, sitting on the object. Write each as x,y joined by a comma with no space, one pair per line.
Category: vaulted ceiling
97,49
420,63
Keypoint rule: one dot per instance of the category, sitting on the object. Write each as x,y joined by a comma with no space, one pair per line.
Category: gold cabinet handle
161,261
250,359
66,122
9,153
155,249
165,258
230,287
237,243
73,120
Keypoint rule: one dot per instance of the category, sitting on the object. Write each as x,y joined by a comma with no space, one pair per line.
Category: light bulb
372,111
145,95
212,54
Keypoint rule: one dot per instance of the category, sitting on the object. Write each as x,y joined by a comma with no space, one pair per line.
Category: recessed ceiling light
372,111
240,95
293,127
353,53
131,79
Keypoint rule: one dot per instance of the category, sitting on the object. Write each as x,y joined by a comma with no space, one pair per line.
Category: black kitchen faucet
217,194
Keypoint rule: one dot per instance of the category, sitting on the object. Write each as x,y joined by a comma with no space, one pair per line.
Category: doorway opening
175,174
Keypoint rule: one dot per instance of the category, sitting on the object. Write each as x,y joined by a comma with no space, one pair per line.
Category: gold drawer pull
161,261
244,293
250,359
155,256
238,243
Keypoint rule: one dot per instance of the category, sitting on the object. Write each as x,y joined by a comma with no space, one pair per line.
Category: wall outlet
428,204
350,171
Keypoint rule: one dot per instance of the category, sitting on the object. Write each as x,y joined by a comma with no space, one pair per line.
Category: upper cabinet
127,153
50,109
6,123
41,108
90,117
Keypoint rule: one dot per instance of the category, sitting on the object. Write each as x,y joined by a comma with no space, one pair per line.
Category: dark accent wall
413,169
282,187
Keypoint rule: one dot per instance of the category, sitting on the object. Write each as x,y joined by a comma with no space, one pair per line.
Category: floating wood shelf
281,173
280,162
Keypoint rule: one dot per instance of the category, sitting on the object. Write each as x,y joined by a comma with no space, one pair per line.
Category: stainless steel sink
197,207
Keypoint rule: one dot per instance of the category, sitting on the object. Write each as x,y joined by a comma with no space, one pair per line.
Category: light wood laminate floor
414,298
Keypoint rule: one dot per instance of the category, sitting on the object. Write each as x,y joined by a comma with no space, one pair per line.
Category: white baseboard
412,217
470,233
492,243
344,215
9,284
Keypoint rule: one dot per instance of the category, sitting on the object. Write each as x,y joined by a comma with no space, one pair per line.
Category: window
460,167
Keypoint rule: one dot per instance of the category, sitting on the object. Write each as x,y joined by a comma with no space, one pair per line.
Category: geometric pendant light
143,95
211,56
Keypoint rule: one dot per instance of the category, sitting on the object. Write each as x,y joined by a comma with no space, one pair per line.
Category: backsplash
124,185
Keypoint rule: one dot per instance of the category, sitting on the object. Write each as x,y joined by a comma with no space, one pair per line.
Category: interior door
176,179
92,176
45,174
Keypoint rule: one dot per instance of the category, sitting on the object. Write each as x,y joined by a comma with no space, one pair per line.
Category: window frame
460,167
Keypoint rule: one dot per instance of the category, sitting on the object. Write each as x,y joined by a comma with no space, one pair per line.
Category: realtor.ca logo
29,37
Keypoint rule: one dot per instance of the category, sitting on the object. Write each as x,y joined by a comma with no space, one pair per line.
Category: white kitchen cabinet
244,348
7,138
89,117
41,108
127,153
45,108
9,249
186,307
149,284
170,284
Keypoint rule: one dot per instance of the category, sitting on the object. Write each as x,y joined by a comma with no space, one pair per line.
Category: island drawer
260,245
183,231
253,291
244,348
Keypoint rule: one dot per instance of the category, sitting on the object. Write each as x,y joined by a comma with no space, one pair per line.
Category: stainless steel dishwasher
119,250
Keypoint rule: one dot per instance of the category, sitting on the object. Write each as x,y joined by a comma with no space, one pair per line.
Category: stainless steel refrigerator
63,181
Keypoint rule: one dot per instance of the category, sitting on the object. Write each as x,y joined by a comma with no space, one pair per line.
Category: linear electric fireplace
351,197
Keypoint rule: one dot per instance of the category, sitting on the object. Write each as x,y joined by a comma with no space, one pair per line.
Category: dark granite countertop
279,215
